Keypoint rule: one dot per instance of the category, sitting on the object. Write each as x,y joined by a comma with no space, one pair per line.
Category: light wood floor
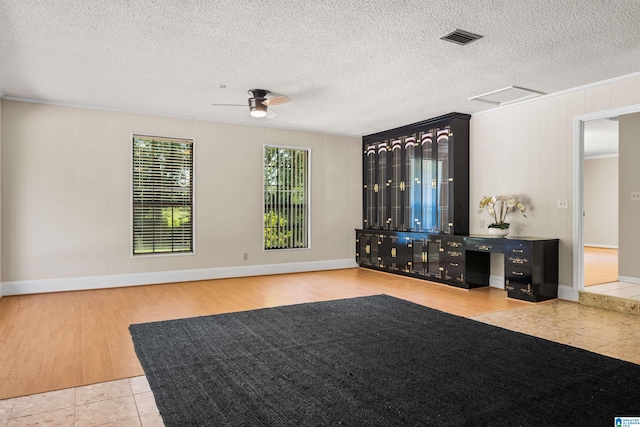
600,265
67,339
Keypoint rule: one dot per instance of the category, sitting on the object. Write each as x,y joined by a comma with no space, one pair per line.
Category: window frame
308,201
131,195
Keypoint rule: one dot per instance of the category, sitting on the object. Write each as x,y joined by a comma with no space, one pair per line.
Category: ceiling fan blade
276,100
271,114
230,105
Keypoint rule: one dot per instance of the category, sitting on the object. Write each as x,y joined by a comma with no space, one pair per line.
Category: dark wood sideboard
530,264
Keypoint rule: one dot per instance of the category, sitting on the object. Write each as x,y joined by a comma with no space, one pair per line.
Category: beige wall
629,225
0,199
601,202
66,193
527,149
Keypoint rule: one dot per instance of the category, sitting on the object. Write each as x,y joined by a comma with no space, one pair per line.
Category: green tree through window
286,195
162,195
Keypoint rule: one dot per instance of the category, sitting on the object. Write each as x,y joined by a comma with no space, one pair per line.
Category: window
286,198
162,195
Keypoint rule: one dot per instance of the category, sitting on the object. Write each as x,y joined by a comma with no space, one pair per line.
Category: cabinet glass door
383,186
418,256
442,181
412,185
396,185
364,248
429,182
371,188
433,256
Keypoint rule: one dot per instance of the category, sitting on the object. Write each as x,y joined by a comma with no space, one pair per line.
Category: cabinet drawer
454,253
523,292
482,245
454,243
454,271
522,249
517,261
517,273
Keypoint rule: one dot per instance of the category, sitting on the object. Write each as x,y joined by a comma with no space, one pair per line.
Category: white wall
1,292
527,149
66,193
601,202
629,137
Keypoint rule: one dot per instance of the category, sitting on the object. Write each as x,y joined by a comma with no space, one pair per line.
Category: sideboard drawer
454,253
517,261
454,271
455,243
522,249
481,245
517,273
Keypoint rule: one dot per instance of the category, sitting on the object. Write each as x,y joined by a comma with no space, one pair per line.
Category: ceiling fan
259,103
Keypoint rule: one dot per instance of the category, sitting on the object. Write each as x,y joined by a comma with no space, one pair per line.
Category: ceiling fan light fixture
257,108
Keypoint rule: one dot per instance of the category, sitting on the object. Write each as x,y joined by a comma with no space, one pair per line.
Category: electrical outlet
563,204
635,196
482,223
246,256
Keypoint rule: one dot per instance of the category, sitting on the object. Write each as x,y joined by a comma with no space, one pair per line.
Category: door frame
578,186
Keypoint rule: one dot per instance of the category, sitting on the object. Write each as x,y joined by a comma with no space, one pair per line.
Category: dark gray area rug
374,361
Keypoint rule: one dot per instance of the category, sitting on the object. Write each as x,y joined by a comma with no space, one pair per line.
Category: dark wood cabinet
416,177
416,214
454,261
531,269
530,264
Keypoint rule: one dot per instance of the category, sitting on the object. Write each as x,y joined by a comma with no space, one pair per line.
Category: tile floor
121,403
611,333
617,289
616,296
129,402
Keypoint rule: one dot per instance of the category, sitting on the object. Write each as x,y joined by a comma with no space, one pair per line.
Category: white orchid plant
499,207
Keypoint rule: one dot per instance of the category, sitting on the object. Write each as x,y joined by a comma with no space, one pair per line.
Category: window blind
162,195
286,198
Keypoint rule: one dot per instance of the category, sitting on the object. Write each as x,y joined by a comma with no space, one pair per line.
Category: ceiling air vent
461,37
506,95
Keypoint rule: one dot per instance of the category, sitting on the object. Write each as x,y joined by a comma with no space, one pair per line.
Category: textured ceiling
350,67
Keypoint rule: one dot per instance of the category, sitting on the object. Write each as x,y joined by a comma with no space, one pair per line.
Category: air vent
461,37
506,95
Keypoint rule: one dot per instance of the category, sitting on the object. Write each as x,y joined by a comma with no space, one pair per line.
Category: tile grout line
135,402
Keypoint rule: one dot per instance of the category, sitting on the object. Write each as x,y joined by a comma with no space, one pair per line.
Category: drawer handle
367,249
518,251
517,260
527,290
454,264
393,252
454,244
517,273
483,247
454,253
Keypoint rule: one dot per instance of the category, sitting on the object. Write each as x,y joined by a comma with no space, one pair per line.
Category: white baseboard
628,279
567,293
601,246
24,287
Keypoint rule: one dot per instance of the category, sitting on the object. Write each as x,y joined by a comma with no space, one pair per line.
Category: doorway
600,198
578,188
